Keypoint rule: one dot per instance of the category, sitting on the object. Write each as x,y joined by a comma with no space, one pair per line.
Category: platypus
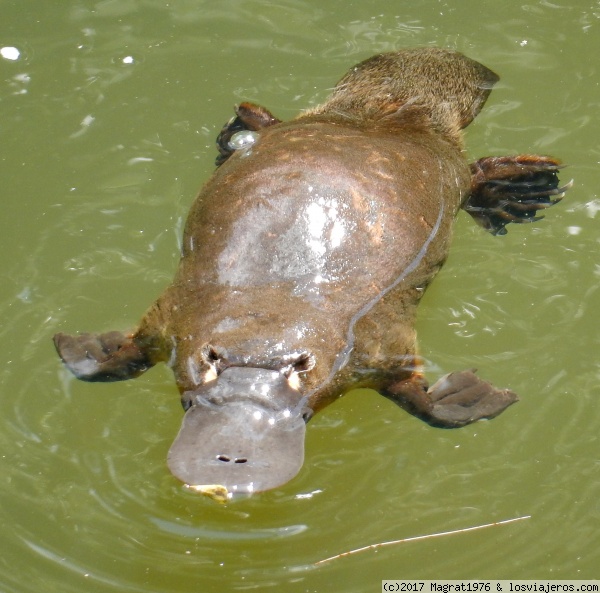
304,258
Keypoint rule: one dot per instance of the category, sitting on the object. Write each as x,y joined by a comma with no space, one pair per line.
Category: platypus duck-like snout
244,431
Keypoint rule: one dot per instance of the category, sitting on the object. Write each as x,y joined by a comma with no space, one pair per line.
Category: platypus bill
304,258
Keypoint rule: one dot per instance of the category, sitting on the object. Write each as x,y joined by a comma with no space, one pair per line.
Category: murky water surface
109,112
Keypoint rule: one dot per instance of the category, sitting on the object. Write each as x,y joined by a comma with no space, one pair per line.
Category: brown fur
447,87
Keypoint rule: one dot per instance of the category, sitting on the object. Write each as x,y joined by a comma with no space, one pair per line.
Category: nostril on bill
227,459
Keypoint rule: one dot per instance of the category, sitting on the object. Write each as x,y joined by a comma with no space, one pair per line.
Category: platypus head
243,430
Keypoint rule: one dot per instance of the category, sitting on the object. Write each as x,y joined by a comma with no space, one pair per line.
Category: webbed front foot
248,117
456,399
112,356
512,189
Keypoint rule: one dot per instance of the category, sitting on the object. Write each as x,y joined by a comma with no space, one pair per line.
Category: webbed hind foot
112,356
248,117
455,400
512,189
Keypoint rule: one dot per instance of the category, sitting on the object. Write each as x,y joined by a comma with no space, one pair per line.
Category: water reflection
217,535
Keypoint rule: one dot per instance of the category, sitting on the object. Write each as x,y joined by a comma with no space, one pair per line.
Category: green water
108,121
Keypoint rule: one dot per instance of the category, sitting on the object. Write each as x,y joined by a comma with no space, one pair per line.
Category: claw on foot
512,189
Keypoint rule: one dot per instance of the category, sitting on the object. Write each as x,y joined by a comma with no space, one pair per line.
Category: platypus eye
210,354
299,362
214,357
